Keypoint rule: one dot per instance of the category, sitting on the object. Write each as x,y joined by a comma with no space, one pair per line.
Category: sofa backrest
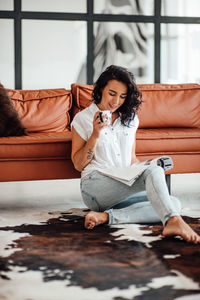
164,105
43,110
167,105
82,96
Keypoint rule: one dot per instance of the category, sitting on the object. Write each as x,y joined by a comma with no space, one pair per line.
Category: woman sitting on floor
97,145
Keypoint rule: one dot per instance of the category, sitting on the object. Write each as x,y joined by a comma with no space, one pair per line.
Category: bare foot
94,218
177,226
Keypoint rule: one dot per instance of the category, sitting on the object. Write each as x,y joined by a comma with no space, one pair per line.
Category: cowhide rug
56,258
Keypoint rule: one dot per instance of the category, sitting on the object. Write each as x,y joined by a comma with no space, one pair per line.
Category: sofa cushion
82,97
164,105
36,146
10,123
43,110
168,140
168,105
82,94
181,144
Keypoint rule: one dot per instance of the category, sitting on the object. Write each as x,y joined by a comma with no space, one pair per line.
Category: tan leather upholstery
169,125
164,105
82,94
168,140
170,106
43,110
20,170
37,146
182,144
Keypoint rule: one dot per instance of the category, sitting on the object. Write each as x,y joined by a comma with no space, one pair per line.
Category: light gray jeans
146,201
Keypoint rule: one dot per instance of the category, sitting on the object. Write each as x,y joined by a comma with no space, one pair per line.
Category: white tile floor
64,194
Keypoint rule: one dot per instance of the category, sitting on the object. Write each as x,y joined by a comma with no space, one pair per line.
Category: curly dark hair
134,97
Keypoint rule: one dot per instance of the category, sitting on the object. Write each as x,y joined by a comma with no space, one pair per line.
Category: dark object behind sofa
10,124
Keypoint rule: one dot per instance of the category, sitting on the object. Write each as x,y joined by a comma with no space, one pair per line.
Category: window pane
189,8
128,7
126,44
54,53
7,53
54,6
6,5
180,44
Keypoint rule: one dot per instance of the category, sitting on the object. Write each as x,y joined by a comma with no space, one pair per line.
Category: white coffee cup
106,116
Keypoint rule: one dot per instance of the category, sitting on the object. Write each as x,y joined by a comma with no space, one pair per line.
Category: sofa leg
168,181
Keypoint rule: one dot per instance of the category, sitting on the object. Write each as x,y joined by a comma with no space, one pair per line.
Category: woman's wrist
91,145
95,135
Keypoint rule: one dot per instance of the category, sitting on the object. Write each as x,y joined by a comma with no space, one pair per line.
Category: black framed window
51,57
49,44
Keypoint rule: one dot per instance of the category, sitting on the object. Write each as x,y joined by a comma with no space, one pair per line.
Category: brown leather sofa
169,125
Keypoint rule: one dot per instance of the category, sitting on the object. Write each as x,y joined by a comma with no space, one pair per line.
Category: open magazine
128,175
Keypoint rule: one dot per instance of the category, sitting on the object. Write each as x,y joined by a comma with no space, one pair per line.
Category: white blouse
114,148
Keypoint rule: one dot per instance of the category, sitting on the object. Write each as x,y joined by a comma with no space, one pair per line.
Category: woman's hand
98,125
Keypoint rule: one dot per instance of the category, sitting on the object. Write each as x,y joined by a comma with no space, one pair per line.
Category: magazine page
128,175
125,173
